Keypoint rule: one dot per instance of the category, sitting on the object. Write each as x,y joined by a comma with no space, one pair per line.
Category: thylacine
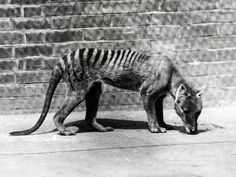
86,69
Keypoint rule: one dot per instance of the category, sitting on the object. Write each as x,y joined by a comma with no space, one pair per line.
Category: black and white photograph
118,88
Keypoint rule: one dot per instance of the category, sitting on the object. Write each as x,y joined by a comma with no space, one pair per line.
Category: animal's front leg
149,106
159,113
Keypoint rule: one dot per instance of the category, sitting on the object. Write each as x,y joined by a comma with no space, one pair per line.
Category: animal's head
188,105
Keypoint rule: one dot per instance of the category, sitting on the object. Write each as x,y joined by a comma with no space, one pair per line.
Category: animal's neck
176,80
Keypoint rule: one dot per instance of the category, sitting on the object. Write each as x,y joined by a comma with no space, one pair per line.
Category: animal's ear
181,91
200,91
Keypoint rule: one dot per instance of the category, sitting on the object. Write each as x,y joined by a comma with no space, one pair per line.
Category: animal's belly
127,82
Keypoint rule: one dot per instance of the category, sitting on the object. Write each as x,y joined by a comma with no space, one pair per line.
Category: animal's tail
54,80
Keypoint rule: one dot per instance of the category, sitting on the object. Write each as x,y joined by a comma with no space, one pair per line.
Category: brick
226,55
29,103
90,21
33,51
142,45
12,90
153,32
212,42
63,36
171,44
32,11
32,76
169,32
220,94
221,16
221,42
125,33
150,5
40,89
49,63
226,81
7,65
61,23
7,104
10,12
227,29
7,78
29,1
211,69
21,24
198,82
62,10
91,8
188,5
34,37
197,56
5,52
130,20
32,64
227,4
120,7
198,17
201,30
182,19
11,38
4,25
93,34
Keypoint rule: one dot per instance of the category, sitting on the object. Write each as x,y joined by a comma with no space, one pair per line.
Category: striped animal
86,69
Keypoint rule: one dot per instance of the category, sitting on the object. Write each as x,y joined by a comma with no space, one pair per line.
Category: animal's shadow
120,124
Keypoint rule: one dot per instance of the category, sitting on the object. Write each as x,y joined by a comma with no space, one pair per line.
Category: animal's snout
191,130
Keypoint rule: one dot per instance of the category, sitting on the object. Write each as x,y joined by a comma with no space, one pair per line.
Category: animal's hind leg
92,102
72,100
159,113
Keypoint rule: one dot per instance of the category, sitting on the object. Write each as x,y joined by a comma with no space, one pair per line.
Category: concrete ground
130,151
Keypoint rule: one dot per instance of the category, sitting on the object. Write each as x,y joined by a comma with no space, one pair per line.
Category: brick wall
198,35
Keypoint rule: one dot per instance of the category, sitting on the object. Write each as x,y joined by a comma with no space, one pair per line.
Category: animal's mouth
191,130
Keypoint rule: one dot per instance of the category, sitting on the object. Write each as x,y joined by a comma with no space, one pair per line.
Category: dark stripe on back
127,56
104,58
139,57
81,57
143,57
72,58
122,57
135,58
97,57
90,54
117,56
112,55
131,57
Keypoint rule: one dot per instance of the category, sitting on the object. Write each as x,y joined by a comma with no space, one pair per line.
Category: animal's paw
66,132
154,128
